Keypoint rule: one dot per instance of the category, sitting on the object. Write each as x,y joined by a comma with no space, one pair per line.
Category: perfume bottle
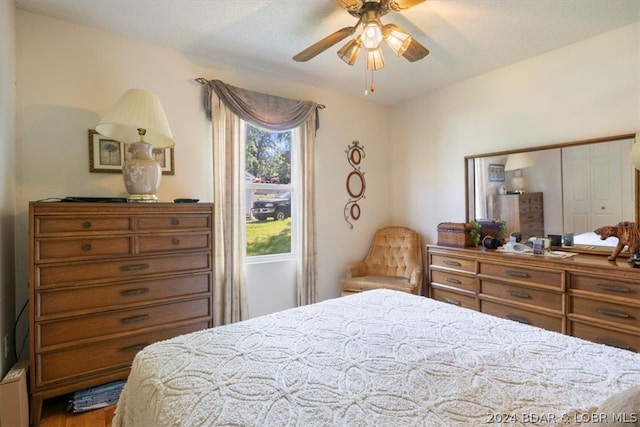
635,260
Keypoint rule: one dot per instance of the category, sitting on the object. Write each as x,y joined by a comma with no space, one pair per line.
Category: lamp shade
137,109
518,161
397,39
635,152
375,60
349,52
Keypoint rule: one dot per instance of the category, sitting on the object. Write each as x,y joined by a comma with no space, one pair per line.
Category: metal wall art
356,185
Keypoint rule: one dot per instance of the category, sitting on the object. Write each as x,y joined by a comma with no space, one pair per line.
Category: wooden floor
55,415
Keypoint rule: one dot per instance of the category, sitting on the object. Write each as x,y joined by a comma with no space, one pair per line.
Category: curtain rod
204,81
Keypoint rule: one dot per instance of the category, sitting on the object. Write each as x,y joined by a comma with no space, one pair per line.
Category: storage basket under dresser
107,279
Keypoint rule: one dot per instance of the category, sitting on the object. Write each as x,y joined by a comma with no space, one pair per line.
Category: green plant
502,235
476,232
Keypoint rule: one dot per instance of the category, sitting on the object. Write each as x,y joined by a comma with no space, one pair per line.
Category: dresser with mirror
574,290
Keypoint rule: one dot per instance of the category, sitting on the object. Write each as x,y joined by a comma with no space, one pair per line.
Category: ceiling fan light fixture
375,60
349,52
396,38
372,32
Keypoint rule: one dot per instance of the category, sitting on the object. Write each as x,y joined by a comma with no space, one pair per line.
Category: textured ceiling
466,38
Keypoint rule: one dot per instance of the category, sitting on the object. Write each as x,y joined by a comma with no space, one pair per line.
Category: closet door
593,185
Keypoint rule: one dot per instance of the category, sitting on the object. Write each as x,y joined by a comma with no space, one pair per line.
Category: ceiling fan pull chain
366,79
373,87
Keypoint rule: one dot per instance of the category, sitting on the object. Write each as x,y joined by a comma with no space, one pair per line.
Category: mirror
573,187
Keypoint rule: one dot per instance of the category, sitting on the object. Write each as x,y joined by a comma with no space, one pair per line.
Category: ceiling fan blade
415,51
399,5
348,4
324,44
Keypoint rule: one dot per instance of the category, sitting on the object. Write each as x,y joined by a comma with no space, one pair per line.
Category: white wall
7,178
586,90
68,75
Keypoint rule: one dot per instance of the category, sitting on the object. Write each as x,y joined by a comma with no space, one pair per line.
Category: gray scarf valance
266,111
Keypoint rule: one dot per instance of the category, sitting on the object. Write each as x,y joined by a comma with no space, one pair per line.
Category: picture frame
108,156
496,173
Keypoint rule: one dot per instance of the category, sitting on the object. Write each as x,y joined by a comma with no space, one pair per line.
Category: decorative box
490,227
455,234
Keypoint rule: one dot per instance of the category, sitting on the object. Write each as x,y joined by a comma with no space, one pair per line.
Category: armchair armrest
357,270
415,277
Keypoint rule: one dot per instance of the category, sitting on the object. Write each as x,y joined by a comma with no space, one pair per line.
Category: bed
378,358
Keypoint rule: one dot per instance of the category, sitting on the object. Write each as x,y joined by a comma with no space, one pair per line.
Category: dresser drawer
610,312
68,301
547,278
120,269
613,338
102,356
455,298
454,280
172,222
173,242
81,224
523,316
102,325
523,295
605,286
452,262
59,249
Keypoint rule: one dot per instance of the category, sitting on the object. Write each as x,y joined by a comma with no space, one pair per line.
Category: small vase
141,173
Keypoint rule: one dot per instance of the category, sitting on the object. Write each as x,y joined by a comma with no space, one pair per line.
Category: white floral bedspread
379,358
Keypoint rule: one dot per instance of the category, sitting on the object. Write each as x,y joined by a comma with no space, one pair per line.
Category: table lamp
138,120
516,162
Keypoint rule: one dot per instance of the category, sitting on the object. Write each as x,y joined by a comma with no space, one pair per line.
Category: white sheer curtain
228,106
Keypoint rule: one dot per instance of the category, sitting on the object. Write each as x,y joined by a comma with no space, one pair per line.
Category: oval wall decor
356,184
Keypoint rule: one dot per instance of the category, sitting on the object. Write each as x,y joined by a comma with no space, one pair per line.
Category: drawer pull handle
452,280
175,221
517,319
614,288
86,224
86,247
175,241
451,301
611,343
130,292
518,294
515,273
134,348
134,319
453,263
614,313
134,267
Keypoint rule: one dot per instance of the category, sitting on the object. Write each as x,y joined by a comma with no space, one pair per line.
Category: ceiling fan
371,33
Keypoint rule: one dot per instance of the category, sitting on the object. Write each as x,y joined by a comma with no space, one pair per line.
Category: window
270,193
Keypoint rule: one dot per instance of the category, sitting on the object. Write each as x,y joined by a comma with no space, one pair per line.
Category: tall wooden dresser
522,212
584,295
107,279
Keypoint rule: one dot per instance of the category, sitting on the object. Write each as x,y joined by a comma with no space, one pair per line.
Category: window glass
269,191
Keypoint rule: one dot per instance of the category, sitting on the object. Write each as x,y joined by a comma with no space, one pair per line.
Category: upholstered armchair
394,262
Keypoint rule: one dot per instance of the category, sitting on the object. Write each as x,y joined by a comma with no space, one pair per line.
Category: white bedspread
379,358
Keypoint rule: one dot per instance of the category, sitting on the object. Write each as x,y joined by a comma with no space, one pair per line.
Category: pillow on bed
620,410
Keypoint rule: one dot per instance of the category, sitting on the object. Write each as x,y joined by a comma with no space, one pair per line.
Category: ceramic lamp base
141,173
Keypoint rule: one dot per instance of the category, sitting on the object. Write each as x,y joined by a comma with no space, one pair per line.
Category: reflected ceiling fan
370,33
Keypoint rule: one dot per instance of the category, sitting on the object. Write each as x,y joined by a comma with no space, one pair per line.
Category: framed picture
496,173
108,156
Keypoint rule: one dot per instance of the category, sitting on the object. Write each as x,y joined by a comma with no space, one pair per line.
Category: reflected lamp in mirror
138,120
516,162
635,152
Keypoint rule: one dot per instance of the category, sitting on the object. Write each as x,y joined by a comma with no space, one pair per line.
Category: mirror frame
470,183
